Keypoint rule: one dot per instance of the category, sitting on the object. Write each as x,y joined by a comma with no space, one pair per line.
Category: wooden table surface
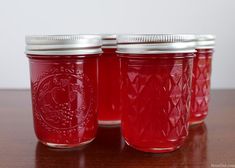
209,145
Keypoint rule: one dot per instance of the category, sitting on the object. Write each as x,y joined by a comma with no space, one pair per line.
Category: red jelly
156,72
108,113
201,78
63,71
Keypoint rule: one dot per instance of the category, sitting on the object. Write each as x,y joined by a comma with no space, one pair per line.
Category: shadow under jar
108,113
201,78
63,72
156,72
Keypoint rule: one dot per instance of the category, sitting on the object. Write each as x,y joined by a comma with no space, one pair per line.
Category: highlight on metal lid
205,41
155,43
109,40
63,44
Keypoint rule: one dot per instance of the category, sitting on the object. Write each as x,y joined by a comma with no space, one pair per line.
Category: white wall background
20,17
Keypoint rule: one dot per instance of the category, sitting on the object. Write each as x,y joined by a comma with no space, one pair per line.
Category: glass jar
63,72
156,72
108,113
201,78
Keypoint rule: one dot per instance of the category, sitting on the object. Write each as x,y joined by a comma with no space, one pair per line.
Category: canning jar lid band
205,41
63,44
156,43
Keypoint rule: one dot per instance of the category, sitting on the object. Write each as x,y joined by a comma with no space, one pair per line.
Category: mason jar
155,89
201,78
108,113
64,84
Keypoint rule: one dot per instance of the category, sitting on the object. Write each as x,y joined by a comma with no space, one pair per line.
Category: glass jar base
154,150
66,146
192,123
109,123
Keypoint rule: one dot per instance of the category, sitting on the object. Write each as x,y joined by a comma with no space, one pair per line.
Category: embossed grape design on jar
64,83
156,73
108,113
201,78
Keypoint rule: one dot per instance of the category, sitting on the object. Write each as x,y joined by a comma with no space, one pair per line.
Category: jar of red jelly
64,83
108,113
201,78
156,72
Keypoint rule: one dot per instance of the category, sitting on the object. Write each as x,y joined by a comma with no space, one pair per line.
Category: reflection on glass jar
156,72
63,72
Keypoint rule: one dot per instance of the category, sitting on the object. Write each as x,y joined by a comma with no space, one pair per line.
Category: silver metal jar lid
206,41
109,40
155,43
63,44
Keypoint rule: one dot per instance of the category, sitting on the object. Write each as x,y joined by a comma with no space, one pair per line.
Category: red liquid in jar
155,100
200,85
109,88
64,99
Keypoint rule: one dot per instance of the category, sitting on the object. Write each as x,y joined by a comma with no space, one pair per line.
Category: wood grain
209,144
